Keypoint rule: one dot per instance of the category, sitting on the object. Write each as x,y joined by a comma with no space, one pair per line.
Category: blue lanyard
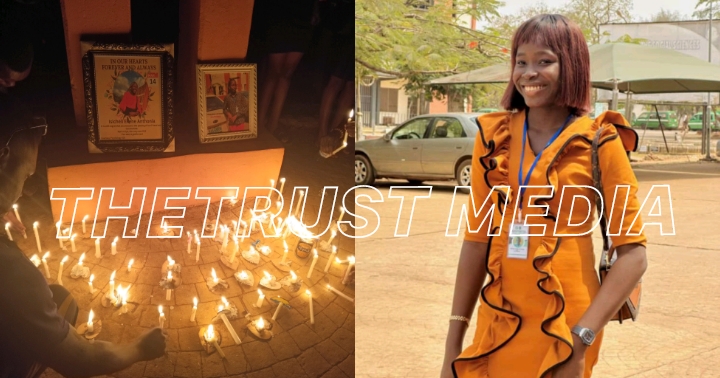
524,182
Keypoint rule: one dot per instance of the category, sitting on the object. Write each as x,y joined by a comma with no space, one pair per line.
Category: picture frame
227,102
129,96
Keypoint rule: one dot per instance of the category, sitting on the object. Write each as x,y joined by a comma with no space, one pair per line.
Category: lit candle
97,248
293,277
297,206
111,292
37,237
214,276
226,232
62,245
210,337
130,264
331,258
235,250
35,260
334,290
90,327
343,145
312,266
197,254
260,324
164,227
114,246
333,233
189,238
194,310
235,227
282,184
351,262
284,253
171,263
268,277
277,205
80,260
124,300
44,261
312,314
83,224
277,311
162,316
229,326
169,291
7,231
90,283
17,215
261,298
72,243
342,212
62,262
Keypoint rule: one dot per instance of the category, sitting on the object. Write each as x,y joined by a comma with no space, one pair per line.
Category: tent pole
662,129
613,104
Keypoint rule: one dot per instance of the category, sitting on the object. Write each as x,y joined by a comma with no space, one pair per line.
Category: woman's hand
451,354
15,224
575,367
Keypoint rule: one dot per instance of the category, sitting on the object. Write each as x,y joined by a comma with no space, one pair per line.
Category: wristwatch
586,334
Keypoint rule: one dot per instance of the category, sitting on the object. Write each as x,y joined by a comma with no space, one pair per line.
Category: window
448,128
414,129
389,100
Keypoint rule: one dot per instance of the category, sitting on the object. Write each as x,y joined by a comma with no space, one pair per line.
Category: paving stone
189,340
171,340
345,339
161,367
335,372
323,326
179,317
289,368
348,365
235,362
212,365
283,346
350,323
135,370
332,352
259,355
159,296
150,276
140,293
264,373
291,318
156,259
313,363
304,336
188,364
191,274
336,313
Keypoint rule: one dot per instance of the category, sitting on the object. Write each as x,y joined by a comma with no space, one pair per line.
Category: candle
226,232
342,212
267,275
83,224
7,231
59,236
312,266
72,243
277,311
334,290
124,300
189,238
225,302
282,184
90,328
293,277
229,326
90,283
44,261
169,291
162,316
97,248
164,227
62,262
80,260
210,337
130,264
37,236
171,263
284,253
35,260
235,250
194,310
235,227
277,205
261,298
343,145
331,258
17,215
214,276
197,254
351,262
333,233
260,324
312,315
111,292
272,185
114,246
297,207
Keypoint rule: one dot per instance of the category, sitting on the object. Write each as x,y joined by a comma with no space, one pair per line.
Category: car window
414,129
447,128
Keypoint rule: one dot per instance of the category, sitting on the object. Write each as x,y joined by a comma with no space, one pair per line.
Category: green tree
664,15
703,9
590,14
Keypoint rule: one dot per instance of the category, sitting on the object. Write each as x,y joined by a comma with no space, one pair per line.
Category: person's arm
77,357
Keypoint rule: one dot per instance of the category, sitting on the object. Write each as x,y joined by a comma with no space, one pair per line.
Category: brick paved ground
406,287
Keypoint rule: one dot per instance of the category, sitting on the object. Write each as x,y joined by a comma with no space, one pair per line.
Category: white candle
312,266
80,260
235,250
277,311
35,260
214,276
111,292
293,277
90,327
37,236
261,298
297,206
189,238
17,215
339,293
210,337
72,243
130,264
260,324
197,254
194,310
229,326
7,231
235,227
62,262
284,253
97,248
282,184
44,261
351,262
333,233
124,300
114,246
62,245
162,316
312,314
342,212
169,291
226,232
331,258
90,283
83,224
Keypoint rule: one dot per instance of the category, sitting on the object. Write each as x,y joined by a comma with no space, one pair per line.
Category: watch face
587,336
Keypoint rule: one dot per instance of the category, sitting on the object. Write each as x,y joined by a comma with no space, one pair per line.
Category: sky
642,9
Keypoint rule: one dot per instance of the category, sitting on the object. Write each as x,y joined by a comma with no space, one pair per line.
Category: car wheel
364,174
462,175
415,182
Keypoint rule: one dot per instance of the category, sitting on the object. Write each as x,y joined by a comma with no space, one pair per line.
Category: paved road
406,286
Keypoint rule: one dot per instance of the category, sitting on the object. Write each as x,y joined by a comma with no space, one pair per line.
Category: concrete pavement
406,285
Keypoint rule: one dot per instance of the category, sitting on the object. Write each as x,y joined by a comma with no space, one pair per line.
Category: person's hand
151,345
575,367
15,224
450,356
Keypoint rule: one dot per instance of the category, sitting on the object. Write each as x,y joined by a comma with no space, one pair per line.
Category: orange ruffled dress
528,306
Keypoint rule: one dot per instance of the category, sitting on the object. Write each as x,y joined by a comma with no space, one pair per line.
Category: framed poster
128,97
227,102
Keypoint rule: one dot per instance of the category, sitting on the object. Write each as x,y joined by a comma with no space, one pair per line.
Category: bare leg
281,87
331,92
272,73
345,103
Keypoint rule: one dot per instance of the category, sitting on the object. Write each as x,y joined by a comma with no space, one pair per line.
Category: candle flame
195,302
329,287
130,263
337,260
267,275
243,275
352,111
15,206
46,255
116,239
220,308
82,257
64,259
7,225
272,183
260,324
91,315
225,301
260,293
35,259
112,276
160,310
293,275
351,259
92,278
210,333
308,292
73,237
315,253
214,276
171,262
86,217
334,249
36,223
169,275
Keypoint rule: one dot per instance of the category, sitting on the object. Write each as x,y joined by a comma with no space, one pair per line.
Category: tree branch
398,74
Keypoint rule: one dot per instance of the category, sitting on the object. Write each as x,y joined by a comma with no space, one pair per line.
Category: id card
518,241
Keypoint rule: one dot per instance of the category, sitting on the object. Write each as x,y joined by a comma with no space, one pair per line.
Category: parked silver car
427,147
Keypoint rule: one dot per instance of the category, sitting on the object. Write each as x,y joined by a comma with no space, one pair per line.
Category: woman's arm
470,277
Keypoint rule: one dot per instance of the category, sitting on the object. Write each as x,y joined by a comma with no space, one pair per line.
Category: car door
444,146
401,154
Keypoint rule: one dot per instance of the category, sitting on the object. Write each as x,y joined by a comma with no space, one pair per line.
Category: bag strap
597,183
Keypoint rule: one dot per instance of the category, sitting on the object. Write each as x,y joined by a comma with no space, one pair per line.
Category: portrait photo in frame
227,102
129,96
